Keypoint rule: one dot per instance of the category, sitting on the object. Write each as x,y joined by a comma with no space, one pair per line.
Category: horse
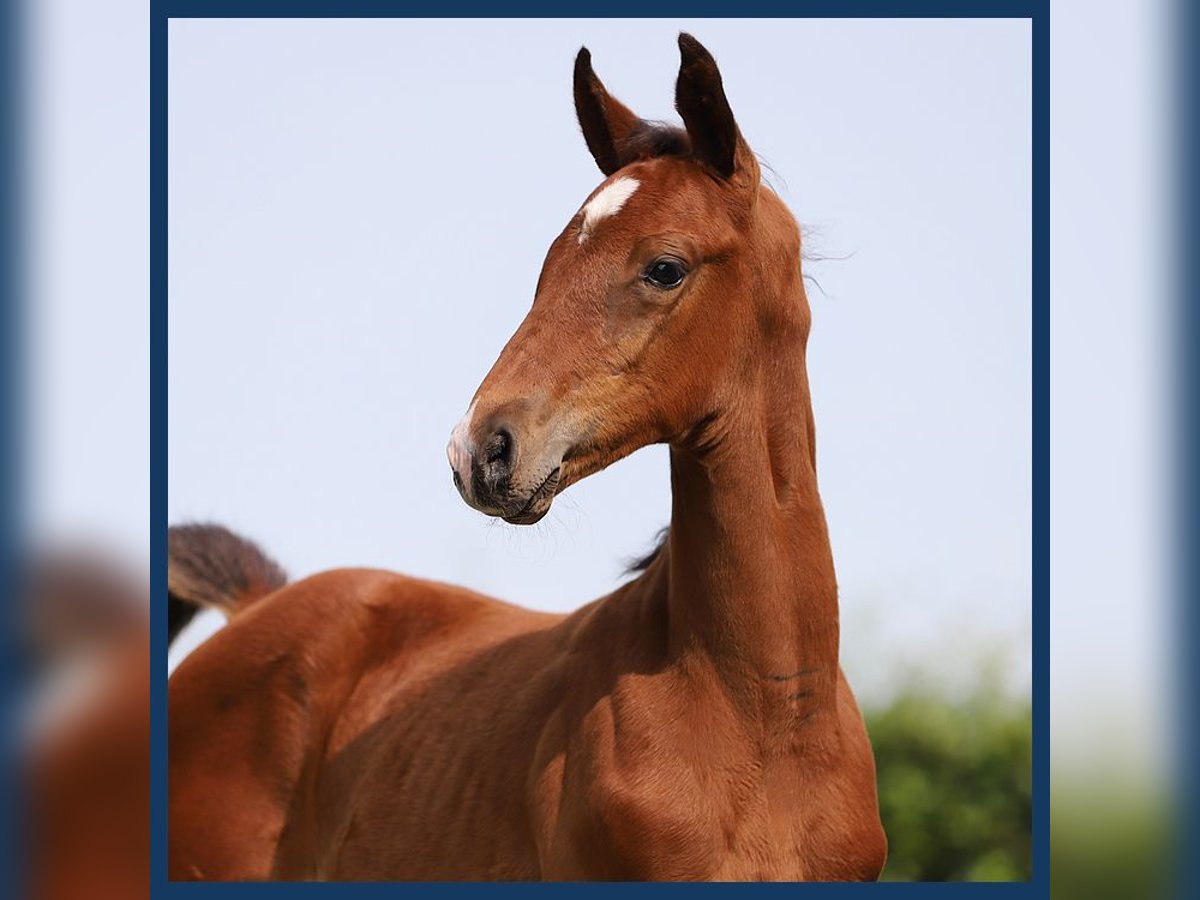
83,749
694,724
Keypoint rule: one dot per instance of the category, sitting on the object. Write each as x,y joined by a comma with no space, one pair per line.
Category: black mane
642,563
650,140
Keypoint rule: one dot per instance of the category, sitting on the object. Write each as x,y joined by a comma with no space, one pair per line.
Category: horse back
256,711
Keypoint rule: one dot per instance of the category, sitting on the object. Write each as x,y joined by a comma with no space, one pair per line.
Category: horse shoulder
630,803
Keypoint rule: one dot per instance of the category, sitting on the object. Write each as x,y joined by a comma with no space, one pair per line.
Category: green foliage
954,787
1109,839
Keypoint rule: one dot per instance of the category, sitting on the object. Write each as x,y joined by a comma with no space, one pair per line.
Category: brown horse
694,724
84,756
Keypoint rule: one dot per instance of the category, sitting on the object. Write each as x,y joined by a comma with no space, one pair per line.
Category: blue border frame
1037,11
13,208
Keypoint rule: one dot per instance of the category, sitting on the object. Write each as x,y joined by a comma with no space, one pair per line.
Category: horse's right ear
606,122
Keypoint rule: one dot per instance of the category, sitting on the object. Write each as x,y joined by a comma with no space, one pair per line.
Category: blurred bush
954,785
1111,837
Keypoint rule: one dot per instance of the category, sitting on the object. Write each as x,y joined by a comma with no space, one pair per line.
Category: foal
694,724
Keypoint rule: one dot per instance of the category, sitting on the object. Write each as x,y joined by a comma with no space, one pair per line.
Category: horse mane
642,563
651,139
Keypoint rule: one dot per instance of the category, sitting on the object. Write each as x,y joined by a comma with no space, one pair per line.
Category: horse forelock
650,140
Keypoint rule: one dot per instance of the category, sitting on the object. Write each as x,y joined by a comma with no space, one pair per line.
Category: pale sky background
847,139
358,214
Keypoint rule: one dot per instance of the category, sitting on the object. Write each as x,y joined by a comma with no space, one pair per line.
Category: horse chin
530,517
534,511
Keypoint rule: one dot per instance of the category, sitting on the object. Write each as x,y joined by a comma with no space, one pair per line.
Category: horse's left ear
700,100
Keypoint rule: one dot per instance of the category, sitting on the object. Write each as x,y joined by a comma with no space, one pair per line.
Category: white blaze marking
606,203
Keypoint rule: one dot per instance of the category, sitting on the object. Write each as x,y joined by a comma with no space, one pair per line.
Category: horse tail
210,566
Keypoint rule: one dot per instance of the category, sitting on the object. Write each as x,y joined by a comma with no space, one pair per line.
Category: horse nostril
498,450
458,482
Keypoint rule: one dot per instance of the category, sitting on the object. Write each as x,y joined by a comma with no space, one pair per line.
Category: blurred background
348,253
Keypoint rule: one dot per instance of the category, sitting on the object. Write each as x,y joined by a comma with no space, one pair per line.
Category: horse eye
665,273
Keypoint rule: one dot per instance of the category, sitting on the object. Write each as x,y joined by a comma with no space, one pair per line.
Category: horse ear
606,122
700,100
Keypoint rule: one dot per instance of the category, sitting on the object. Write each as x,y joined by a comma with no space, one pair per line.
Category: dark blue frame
1035,10
12,368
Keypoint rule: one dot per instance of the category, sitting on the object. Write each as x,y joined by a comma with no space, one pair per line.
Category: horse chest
671,824
735,827
651,796
641,794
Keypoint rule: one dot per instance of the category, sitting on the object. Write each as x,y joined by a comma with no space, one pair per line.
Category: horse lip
527,519
530,513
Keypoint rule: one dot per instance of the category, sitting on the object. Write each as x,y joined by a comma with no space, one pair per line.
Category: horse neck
750,579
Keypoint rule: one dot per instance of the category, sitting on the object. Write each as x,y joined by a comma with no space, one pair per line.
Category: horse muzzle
494,476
